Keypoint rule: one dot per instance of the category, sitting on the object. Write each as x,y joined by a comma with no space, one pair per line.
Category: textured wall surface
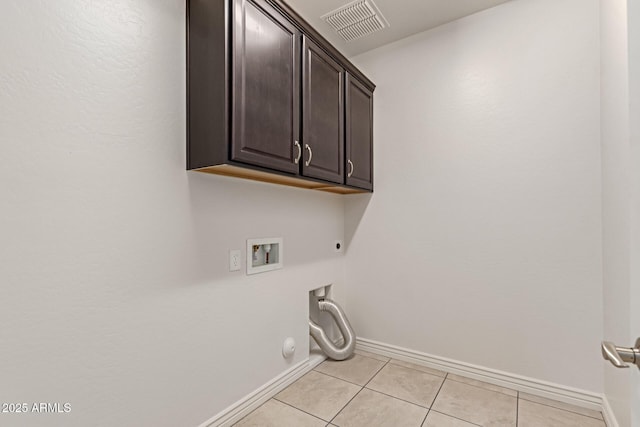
483,238
487,210
115,293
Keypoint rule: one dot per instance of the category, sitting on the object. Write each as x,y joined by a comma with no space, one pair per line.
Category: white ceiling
406,17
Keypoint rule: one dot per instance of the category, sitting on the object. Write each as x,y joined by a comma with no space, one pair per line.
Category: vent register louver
356,19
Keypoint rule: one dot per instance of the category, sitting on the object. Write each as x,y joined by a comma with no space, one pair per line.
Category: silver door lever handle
620,356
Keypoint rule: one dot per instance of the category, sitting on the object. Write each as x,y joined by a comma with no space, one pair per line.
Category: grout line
424,420
351,382
398,398
429,409
447,376
563,409
583,399
419,370
301,410
338,378
485,388
374,375
373,358
457,418
361,388
438,392
345,405
403,400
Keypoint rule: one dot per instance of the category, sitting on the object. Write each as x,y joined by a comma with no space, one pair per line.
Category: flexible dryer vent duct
318,334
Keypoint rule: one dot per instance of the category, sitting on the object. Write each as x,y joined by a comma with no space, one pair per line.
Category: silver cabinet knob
297,159
621,356
308,162
350,168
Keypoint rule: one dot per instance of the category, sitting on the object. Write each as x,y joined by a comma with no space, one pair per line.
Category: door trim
608,414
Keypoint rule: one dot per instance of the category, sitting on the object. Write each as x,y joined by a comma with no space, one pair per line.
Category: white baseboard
607,413
582,398
252,401
244,406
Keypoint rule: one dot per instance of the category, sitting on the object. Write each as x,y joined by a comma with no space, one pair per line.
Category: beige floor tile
407,384
318,394
561,405
476,405
372,355
482,384
436,419
532,414
371,409
418,367
358,369
277,414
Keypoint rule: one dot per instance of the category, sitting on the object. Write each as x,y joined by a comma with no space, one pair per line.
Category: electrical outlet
234,259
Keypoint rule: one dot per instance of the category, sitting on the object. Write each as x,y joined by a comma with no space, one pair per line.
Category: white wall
487,212
115,293
615,196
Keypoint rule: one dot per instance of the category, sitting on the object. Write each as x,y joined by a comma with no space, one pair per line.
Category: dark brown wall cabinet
322,115
266,78
359,102
270,99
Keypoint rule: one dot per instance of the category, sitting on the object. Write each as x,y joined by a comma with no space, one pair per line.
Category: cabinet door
359,144
265,92
322,114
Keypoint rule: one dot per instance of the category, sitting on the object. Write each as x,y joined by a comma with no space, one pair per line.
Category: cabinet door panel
322,115
266,87
359,144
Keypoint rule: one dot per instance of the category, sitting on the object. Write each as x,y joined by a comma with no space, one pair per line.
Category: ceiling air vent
356,19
